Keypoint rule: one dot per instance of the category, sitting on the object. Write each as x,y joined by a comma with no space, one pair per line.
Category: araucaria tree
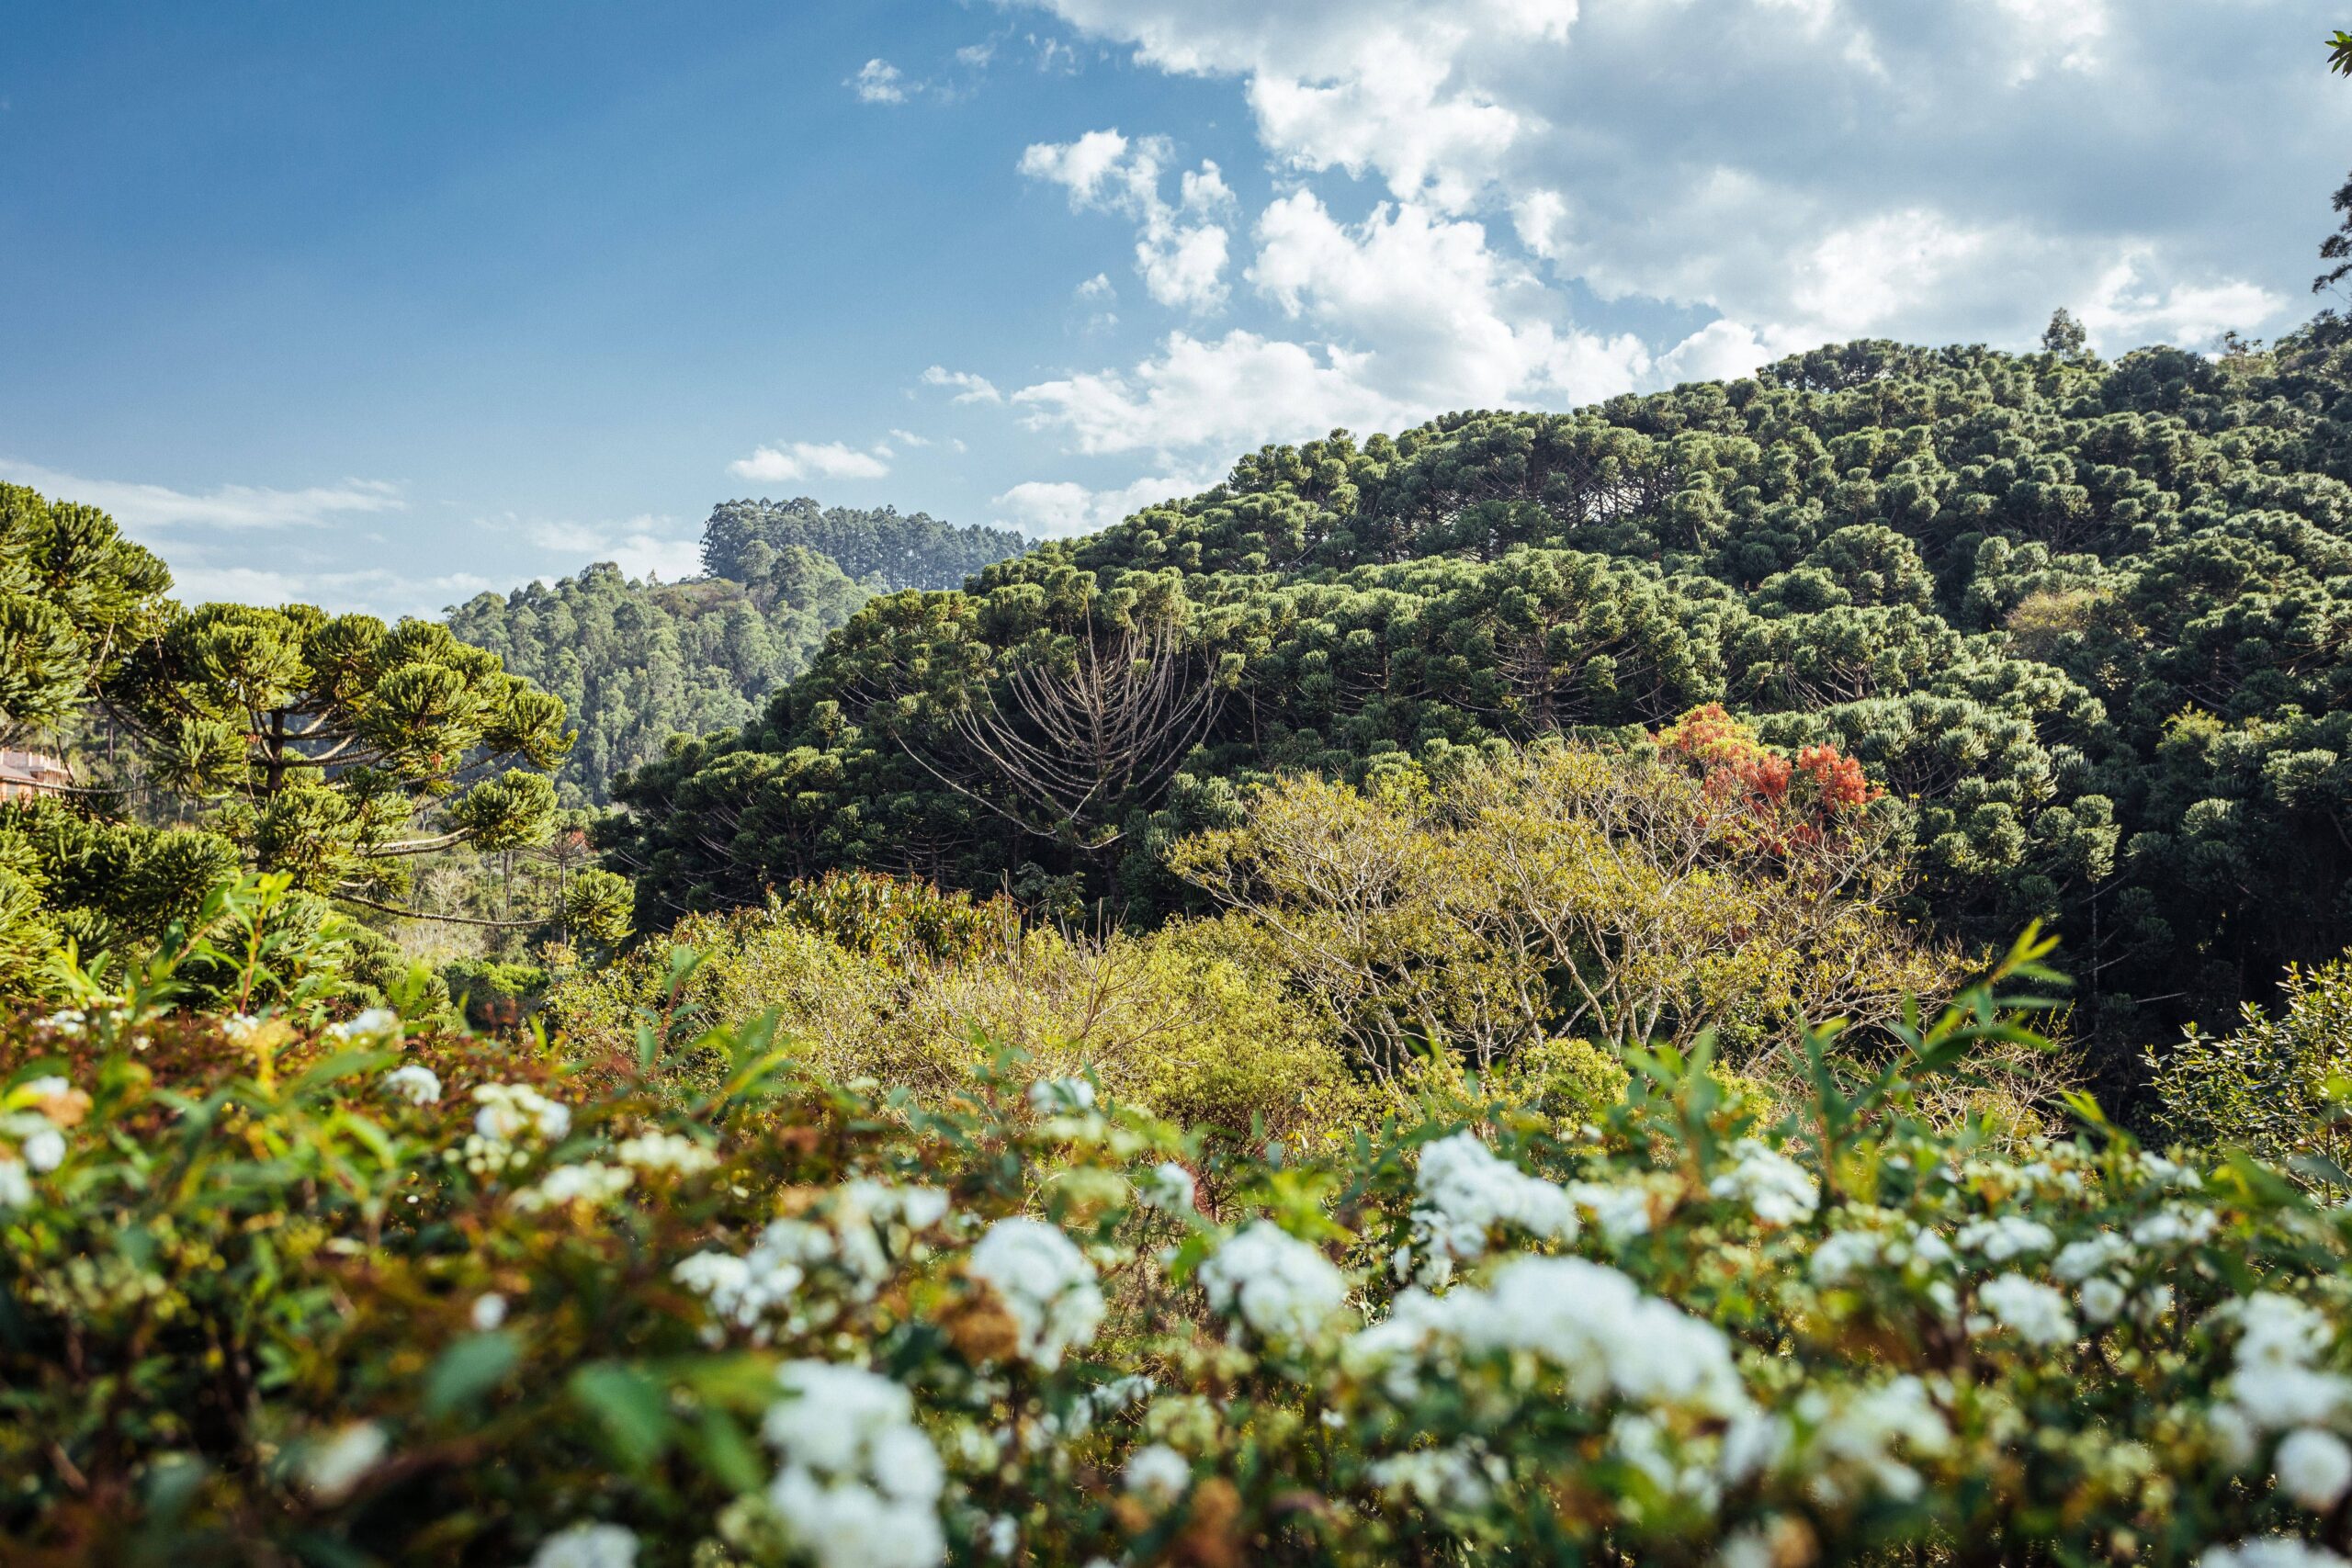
74,596
323,740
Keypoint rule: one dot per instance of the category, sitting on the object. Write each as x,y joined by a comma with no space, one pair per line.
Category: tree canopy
2083,621
881,546
638,662
75,596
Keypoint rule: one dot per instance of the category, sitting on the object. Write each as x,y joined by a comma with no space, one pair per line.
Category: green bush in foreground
270,1293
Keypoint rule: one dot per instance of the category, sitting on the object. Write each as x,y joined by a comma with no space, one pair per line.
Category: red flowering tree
1775,802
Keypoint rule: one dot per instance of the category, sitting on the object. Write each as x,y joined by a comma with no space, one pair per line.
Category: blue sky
380,304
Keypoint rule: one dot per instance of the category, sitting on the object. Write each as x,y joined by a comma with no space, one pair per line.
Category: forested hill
882,545
2085,620
637,662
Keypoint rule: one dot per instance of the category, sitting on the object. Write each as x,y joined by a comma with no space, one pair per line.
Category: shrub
2278,1085
367,1294
497,997
1189,1019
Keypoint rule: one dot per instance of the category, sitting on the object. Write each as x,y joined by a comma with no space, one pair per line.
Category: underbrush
272,1291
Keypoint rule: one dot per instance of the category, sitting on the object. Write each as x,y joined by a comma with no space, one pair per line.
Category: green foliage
745,540
596,906
635,662
105,887
497,998
902,924
904,987
1572,893
75,598
2276,1085
323,738
378,1294
1997,580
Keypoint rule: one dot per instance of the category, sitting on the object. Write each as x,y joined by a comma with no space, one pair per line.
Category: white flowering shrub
259,1301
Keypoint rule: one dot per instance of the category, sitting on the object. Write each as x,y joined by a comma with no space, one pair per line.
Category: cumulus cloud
370,590
140,508
1449,321
1046,509
1530,179
1220,393
879,82
1953,171
1180,246
1409,89
809,460
644,546
969,388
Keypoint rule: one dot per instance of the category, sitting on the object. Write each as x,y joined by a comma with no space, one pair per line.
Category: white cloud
2066,34
1098,299
969,388
1237,391
909,438
1869,275
1449,322
372,591
644,546
1538,216
1946,172
1720,351
1059,510
2129,305
879,82
809,460
1532,174
1405,88
1181,247
143,507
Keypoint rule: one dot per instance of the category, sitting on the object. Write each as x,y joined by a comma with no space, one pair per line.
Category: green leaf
468,1370
631,1408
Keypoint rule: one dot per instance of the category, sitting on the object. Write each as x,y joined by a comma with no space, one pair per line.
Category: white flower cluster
1849,1440
589,1182
1284,1289
1622,1210
1104,1399
1847,1254
1587,1320
665,1154
1044,1283
332,1469
2033,1311
1460,1478
512,1111
588,1546
1061,1096
33,1114
2270,1551
1466,1191
871,1224
1157,1472
510,1114
2175,1224
2005,1238
2274,1386
417,1085
376,1026
1170,1188
1776,1188
859,1483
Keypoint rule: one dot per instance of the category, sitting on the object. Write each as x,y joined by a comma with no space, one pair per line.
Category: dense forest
637,662
2083,622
